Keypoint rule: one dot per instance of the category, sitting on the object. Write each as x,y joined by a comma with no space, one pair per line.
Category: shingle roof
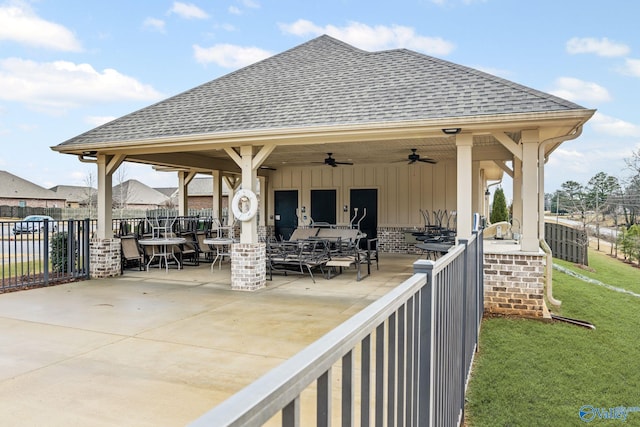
136,193
327,82
14,187
74,193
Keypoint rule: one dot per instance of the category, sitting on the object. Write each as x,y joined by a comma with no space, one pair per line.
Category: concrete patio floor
160,349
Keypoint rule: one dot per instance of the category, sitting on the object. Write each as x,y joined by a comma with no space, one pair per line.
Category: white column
530,240
464,143
105,198
182,193
517,195
263,201
249,232
216,191
478,193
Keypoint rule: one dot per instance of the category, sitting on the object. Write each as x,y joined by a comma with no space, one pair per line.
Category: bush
59,252
499,211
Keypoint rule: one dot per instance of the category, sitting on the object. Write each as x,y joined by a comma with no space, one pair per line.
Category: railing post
426,336
463,335
46,252
86,228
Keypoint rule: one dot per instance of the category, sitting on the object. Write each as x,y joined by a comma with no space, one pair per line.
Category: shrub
59,252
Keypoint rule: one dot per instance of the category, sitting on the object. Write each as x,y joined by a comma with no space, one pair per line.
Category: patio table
163,248
220,243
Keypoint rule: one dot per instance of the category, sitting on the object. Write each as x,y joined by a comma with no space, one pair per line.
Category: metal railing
43,253
414,347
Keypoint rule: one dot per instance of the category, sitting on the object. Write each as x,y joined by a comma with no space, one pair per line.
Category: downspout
542,160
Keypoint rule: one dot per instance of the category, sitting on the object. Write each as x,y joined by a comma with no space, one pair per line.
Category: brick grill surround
514,284
105,258
248,266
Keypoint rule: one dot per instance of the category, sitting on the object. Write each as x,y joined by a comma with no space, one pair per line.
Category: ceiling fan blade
343,163
427,160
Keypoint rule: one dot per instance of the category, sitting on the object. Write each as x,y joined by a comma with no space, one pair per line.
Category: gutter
542,160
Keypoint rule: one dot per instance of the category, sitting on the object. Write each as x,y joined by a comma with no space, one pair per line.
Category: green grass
530,373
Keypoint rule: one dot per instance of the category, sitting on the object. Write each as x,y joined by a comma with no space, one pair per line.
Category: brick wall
514,284
105,258
248,266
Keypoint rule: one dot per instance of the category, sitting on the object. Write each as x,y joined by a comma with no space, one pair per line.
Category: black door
365,199
323,206
286,219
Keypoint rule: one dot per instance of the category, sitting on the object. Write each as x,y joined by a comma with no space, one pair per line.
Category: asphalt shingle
327,82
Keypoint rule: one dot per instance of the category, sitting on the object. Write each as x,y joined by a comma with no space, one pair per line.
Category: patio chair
207,250
131,252
190,250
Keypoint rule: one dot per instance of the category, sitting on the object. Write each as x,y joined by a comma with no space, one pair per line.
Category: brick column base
514,284
104,256
248,266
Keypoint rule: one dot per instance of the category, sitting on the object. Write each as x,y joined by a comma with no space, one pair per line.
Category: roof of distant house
14,187
74,193
136,193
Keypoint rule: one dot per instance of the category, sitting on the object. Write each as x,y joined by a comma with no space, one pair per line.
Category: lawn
531,373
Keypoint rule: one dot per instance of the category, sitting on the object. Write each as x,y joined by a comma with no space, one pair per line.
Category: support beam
530,142
249,232
184,178
464,143
501,164
114,163
509,144
216,191
105,197
517,196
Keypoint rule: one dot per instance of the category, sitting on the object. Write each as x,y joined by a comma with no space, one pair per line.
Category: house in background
133,194
16,191
200,193
76,196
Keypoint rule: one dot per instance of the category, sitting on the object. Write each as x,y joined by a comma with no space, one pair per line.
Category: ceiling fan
415,157
332,162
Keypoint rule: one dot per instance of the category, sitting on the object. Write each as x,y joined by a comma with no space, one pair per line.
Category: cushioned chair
131,252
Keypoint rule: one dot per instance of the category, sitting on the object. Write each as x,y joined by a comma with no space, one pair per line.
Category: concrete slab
161,348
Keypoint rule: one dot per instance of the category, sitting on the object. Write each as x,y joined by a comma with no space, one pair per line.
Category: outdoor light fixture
451,131
89,153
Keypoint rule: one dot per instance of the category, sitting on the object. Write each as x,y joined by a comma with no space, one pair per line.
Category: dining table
163,248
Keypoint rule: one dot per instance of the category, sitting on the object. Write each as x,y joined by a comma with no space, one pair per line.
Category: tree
598,191
499,210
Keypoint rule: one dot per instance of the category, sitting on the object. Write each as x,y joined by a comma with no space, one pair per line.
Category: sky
68,66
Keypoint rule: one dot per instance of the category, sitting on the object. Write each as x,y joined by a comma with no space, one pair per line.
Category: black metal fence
567,243
43,253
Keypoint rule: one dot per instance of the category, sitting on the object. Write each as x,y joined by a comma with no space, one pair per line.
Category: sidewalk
160,349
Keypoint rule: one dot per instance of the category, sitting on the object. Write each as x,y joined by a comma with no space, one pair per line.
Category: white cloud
369,38
251,4
632,67
601,47
188,10
578,90
96,121
229,56
20,24
614,127
62,84
234,10
154,24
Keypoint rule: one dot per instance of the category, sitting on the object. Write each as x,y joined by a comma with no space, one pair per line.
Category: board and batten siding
402,189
